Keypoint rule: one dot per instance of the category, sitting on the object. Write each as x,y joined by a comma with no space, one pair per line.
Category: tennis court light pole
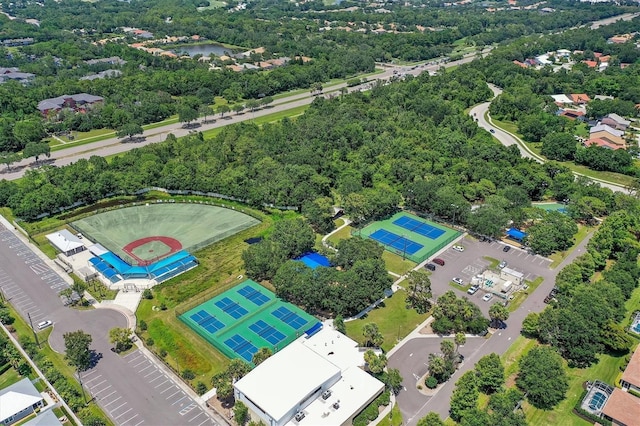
454,212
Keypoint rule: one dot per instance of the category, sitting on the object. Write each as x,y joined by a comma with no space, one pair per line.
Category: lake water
203,49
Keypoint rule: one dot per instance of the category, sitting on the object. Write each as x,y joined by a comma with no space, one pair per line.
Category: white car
502,264
473,289
44,324
458,281
487,297
458,248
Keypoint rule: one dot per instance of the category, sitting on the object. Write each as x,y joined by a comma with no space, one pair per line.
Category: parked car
502,264
548,299
492,131
438,261
44,324
473,289
458,281
458,248
487,297
430,266
506,248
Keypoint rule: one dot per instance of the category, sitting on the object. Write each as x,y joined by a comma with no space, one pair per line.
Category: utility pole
35,335
84,395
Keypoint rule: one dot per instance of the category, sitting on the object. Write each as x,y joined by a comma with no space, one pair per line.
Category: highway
115,145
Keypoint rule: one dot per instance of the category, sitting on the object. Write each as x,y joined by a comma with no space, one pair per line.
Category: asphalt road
479,113
499,342
132,390
115,145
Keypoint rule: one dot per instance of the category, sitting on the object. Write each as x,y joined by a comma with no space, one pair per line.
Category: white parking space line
102,390
199,414
171,386
137,424
175,393
107,396
140,363
119,406
160,376
161,384
91,379
117,399
148,366
153,372
179,400
128,420
203,422
98,384
116,418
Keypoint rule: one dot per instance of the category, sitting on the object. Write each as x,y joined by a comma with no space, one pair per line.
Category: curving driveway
480,113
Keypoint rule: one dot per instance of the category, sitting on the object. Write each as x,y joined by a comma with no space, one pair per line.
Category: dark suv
438,261
430,266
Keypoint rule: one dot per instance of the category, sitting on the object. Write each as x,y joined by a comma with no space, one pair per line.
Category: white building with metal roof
314,381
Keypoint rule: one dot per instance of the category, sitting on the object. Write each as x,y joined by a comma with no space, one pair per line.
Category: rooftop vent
336,405
326,394
299,416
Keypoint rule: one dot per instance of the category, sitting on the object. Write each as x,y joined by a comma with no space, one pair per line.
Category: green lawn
394,418
612,177
342,234
396,264
9,377
393,318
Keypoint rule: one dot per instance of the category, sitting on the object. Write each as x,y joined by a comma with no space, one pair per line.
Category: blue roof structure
516,234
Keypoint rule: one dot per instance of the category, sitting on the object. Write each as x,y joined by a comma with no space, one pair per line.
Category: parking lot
38,274
177,407
476,258
122,387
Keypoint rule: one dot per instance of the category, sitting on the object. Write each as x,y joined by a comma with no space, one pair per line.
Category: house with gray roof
615,121
80,102
19,400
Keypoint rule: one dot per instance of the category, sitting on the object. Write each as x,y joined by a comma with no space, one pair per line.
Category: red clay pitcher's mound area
149,249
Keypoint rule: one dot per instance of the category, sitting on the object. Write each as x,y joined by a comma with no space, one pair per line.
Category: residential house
572,114
80,102
102,74
19,400
605,128
114,60
590,64
631,376
520,64
14,73
608,142
562,100
615,121
622,408
579,98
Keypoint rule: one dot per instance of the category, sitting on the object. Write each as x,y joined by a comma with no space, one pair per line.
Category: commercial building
315,381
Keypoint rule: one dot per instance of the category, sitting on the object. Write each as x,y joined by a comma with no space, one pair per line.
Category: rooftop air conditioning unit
336,405
299,416
326,394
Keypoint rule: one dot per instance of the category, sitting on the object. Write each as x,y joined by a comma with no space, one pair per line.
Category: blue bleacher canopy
516,234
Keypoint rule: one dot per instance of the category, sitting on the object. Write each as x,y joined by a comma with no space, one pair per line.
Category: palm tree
460,339
437,366
447,349
498,314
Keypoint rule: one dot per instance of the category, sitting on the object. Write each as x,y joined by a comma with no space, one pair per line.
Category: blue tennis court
206,321
419,227
241,346
290,318
267,332
232,308
396,241
253,295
